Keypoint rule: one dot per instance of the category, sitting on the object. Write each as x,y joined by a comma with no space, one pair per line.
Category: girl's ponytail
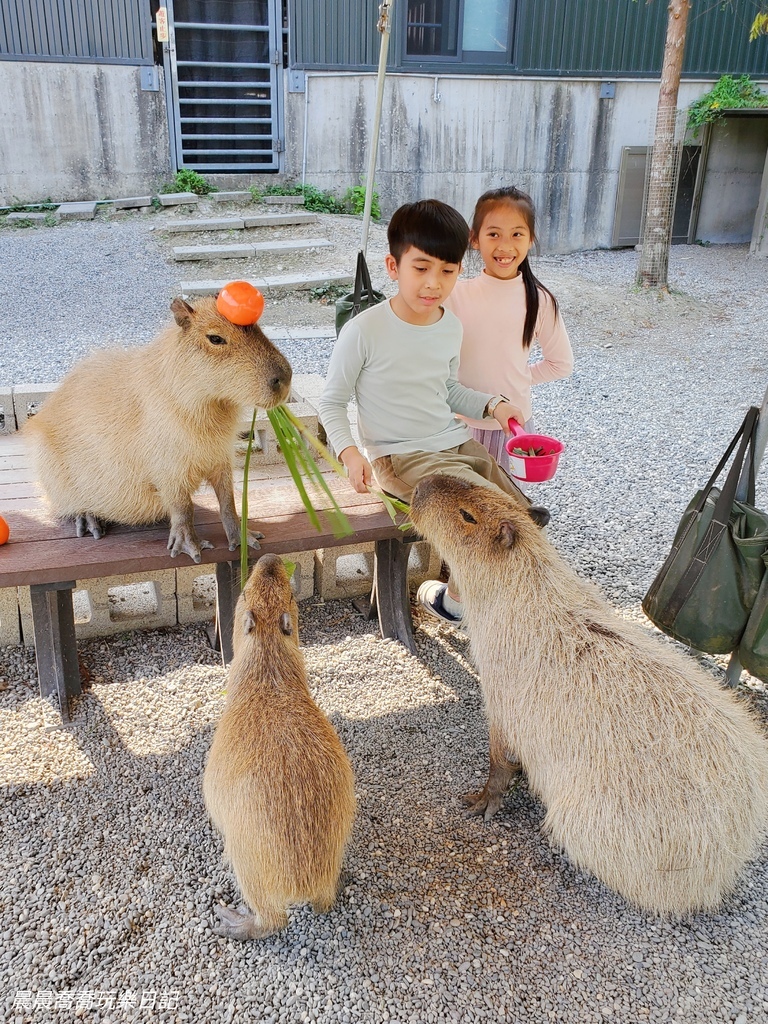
532,300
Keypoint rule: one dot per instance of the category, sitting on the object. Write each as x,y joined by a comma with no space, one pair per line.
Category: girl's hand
504,412
358,469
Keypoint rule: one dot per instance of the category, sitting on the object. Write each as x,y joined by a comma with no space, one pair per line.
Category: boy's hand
504,412
358,469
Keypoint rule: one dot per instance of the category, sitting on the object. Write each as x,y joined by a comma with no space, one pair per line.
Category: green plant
354,201
327,293
187,180
315,199
727,94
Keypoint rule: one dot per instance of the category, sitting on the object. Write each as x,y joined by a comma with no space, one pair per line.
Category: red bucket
532,457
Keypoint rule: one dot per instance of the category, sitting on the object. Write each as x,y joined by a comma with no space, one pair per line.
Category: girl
503,310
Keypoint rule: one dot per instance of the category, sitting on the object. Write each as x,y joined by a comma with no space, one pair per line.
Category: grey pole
384,26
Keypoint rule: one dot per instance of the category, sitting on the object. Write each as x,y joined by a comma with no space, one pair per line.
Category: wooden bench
49,558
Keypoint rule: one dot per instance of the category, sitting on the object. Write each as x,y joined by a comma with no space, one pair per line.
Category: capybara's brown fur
129,435
278,783
654,777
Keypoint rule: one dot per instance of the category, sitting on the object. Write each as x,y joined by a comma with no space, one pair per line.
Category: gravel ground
109,866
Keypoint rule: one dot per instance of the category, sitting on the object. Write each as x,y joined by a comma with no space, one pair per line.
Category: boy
400,359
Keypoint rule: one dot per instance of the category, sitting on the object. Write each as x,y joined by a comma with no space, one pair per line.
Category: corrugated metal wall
102,31
333,33
551,37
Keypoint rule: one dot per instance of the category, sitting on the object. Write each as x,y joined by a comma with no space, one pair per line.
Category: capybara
129,435
654,777
278,784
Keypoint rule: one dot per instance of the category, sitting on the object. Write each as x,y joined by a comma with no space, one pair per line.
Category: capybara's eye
466,516
216,339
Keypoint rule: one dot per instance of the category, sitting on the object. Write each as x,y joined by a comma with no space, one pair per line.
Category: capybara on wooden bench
278,784
654,777
129,435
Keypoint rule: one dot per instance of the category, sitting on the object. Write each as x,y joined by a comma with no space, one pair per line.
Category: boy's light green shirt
403,378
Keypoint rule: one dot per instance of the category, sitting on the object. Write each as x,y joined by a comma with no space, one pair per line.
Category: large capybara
278,783
654,777
129,435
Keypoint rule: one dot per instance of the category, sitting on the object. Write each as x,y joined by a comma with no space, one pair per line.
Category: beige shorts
399,474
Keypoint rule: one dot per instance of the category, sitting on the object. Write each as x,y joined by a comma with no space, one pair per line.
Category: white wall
735,167
79,131
454,137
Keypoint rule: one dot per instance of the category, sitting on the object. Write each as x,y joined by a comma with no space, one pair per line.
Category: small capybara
129,435
653,776
278,784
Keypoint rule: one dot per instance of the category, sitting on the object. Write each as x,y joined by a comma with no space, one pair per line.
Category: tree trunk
657,233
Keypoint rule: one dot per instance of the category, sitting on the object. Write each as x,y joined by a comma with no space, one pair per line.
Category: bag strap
720,517
363,284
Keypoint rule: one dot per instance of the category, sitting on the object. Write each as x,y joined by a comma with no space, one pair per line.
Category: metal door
223,63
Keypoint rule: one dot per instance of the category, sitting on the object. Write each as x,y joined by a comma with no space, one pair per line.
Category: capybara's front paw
485,802
89,524
253,540
183,539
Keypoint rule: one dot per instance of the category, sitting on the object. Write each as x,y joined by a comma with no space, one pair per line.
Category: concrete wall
79,131
454,137
735,166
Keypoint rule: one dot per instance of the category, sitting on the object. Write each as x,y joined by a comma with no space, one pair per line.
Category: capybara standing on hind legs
654,777
129,435
278,784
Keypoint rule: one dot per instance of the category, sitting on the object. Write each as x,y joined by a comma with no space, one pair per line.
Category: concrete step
271,285
283,200
246,249
265,220
76,211
177,198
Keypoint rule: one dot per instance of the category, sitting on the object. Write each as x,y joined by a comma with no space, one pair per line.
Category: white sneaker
430,596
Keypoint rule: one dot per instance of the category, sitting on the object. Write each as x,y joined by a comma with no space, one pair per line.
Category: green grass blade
244,509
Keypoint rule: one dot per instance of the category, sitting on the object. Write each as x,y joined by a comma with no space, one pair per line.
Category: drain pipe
384,26
306,119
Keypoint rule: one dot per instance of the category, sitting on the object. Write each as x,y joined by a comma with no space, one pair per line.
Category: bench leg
227,593
390,591
53,618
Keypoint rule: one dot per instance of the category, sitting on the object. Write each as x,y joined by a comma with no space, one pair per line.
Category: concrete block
348,571
178,198
10,627
76,211
218,224
7,415
345,571
13,218
291,245
274,220
212,252
195,593
27,399
284,200
231,197
115,604
132,203
270,285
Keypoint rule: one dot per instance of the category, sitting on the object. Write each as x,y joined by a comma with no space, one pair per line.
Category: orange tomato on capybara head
240,303
5,530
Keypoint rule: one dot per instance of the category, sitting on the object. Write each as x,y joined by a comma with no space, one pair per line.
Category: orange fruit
5,531
240,303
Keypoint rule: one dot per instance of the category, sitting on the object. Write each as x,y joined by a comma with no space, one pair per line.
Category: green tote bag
753,649
706,588
361,298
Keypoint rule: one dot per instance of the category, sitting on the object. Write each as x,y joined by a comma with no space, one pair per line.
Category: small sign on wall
161,24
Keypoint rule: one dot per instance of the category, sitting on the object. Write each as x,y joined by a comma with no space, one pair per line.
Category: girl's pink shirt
492,313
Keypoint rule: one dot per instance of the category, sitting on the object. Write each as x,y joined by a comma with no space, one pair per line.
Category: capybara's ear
286,625
182,312
507,534
539,515
248,622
